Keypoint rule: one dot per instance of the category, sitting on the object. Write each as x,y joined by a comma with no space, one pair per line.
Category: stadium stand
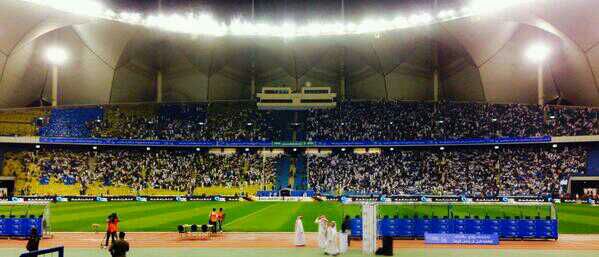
472,171
349,121
71,122
131,172
572,121
233,122
20,122
370,121
191,121
509,170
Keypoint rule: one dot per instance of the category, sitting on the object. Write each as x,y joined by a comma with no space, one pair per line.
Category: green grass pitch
275,216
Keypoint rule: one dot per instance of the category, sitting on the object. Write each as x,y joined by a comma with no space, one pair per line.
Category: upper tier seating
20,122
349,121
71,122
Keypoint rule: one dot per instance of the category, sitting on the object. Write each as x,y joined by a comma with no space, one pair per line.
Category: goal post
37,210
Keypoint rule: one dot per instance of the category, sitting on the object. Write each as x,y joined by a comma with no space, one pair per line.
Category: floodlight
95,147
206,24
56,55
554,145
198,149
486,6
37,146
538,52
442,148
148,149
247,149
496,147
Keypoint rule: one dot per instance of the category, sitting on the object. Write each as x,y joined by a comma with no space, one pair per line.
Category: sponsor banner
284,199
126,198
473,239
121,198
294,144
161,198
472,141
142,142
199,198
443,198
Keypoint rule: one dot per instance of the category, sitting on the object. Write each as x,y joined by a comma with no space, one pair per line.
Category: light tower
55,56
538,54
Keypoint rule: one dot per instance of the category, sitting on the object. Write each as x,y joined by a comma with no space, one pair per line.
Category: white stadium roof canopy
481,57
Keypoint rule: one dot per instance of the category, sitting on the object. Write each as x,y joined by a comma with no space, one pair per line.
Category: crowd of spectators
349,121
235,122
174,170
394,120
478,120
354,121
509,170
152,122
235,170
242,122
564,121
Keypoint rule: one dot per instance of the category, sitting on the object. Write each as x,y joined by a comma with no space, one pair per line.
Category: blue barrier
20,227
505,228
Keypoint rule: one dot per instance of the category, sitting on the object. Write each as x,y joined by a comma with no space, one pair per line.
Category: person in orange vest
213,219
221,219
112,227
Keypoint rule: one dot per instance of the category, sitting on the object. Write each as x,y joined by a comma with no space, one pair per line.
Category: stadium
302,128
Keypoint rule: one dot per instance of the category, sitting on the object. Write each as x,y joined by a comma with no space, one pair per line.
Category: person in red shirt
112,227
213,219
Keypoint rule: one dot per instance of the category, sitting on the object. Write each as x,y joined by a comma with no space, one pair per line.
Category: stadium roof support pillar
253,87
342,77
210,70
54,85
159,87
540,89
253,71
435,59
435,62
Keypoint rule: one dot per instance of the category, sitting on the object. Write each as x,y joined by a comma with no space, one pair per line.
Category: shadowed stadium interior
264,127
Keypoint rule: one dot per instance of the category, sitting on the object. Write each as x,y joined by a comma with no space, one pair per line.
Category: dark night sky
296,10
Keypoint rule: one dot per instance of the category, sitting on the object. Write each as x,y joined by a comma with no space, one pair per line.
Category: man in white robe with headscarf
332,247
300,238
322,231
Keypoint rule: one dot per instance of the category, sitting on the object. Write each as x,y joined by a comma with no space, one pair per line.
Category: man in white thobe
300,239
322,231
332,247
343,242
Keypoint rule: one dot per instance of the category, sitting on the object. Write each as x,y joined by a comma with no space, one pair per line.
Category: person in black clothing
120,247
346,227
33,244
